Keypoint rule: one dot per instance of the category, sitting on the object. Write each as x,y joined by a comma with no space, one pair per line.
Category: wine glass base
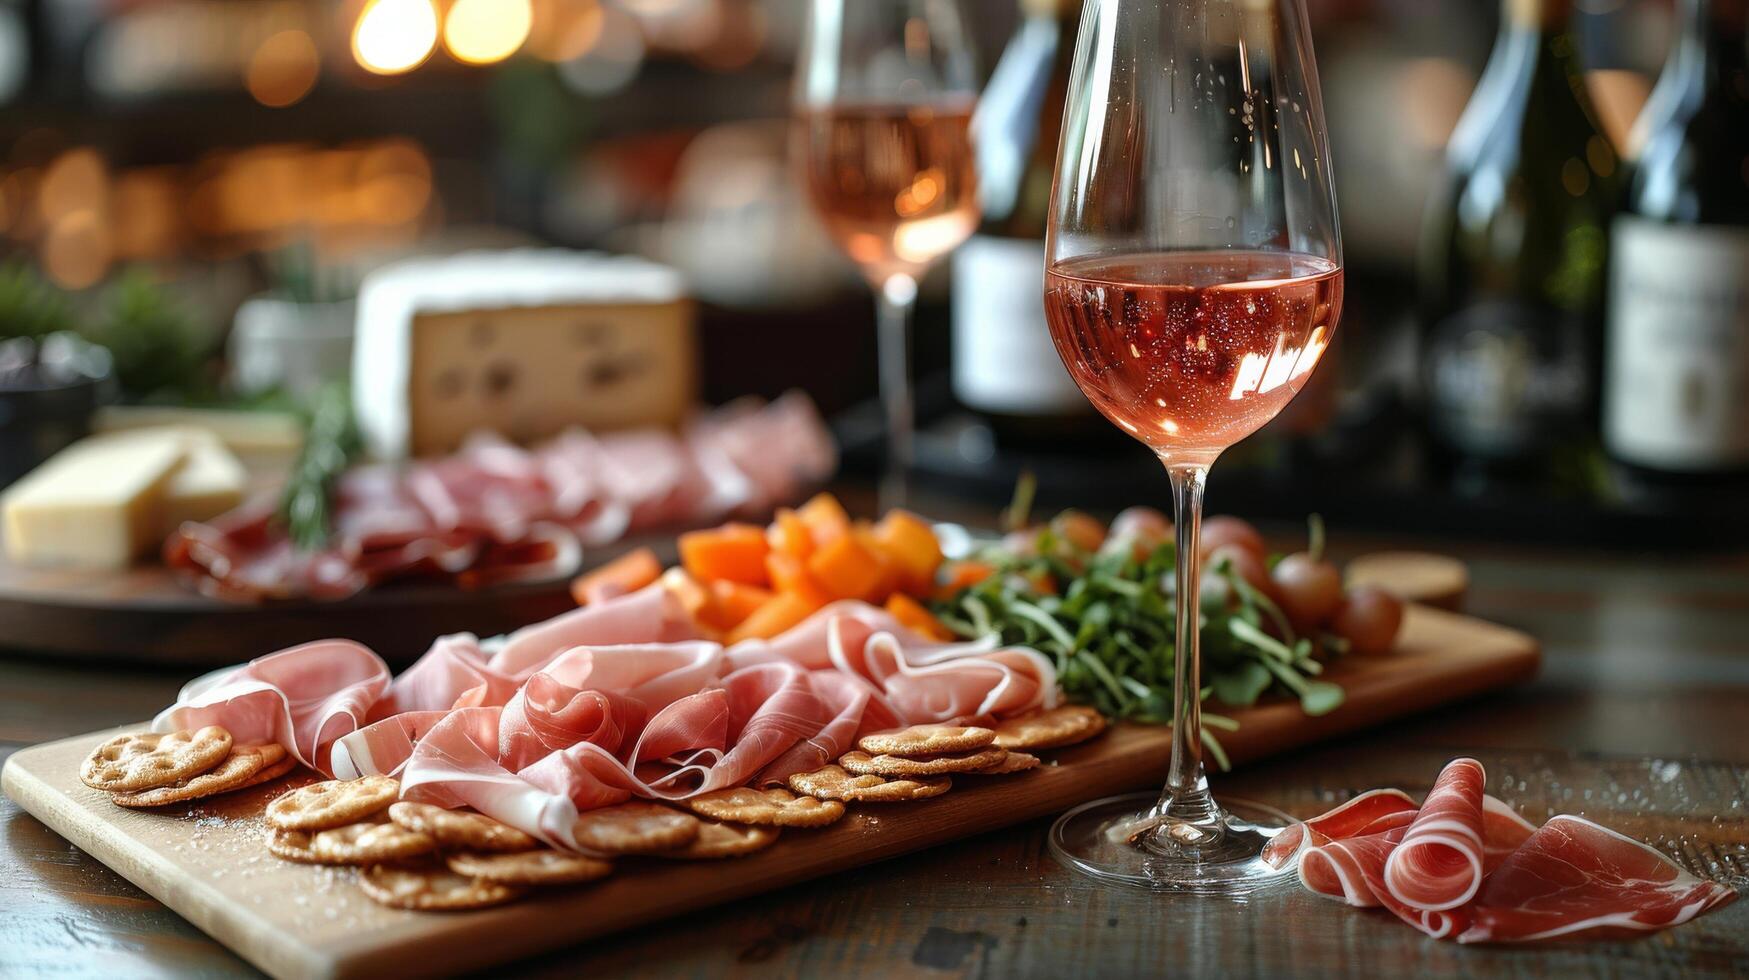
1095,839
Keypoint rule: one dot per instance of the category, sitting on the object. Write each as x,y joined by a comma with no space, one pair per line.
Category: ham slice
1568,878
494,512
1438,865
1573,878
618,699
1372,812
304,698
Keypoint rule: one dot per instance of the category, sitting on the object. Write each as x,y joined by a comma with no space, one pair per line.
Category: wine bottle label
1509,379
1003,357
1676,392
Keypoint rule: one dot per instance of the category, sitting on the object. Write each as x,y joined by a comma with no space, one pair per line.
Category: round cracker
432,889
235,772
725,840
1051,729
635,828
292,845
833,783
1013,762
862,764
335,803
456,830
531,867
272,772
143,760
927,740
775,807
370,843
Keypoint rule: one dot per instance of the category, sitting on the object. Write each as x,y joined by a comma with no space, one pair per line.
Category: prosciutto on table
611,701
494,512
1465,865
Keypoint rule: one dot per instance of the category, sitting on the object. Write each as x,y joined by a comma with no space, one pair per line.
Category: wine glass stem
894,301
1192,818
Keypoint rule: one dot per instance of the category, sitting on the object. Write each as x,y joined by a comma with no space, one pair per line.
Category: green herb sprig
1108,620
330,441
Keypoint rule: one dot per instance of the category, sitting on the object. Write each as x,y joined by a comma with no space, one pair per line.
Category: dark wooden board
206,861
144,613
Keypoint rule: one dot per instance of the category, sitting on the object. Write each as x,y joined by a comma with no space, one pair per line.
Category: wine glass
883,103
1193,277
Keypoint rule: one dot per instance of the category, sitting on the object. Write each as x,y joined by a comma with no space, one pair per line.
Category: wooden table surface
1638,721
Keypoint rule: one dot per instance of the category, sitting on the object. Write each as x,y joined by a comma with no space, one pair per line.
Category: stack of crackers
919,762
418,856
153,769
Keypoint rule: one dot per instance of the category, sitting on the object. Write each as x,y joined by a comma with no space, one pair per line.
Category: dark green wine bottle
1514,262
1676,396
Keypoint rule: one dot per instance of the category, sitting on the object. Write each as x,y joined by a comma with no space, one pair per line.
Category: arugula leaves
1108,618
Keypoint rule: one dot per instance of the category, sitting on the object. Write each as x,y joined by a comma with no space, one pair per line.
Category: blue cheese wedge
526,343
97,504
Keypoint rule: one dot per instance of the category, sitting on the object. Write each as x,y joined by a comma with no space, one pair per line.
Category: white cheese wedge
95,504
525,343
210,481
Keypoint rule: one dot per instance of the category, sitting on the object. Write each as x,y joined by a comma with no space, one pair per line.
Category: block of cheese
210,481
523,342
96,504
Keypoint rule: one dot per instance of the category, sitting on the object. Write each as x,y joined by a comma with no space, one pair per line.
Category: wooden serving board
144,613
207,861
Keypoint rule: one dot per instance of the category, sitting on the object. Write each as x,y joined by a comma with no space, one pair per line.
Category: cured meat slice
453,669
303,698
1438,865
494,512
650,615
1574,878
1503,830
1372,812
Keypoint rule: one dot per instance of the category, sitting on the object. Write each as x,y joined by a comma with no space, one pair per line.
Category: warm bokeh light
77,181
564,29
480,32
76,252
394,36
283,69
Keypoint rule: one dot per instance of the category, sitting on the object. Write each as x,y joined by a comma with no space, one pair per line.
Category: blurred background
163,161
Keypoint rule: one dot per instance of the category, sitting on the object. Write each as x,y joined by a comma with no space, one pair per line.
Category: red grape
1245,564
1369,620
1141,530
1080,530
1310,590
1218,531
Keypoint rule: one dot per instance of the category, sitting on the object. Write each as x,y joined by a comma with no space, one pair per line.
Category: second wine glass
883,104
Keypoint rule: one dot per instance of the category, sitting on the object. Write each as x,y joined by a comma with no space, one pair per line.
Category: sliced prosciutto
1438,865
614,700
494,512
1372,812
1568,878
1573,878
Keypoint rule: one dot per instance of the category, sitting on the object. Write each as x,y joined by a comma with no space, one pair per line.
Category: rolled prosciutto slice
1574,878
1438,865
1372,812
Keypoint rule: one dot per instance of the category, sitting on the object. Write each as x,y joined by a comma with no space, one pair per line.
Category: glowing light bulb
480,32
394,36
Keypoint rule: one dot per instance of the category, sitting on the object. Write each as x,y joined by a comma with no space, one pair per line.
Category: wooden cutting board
207,861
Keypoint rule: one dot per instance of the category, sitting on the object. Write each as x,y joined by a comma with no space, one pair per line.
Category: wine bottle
1514,263
1005,370
1676,397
